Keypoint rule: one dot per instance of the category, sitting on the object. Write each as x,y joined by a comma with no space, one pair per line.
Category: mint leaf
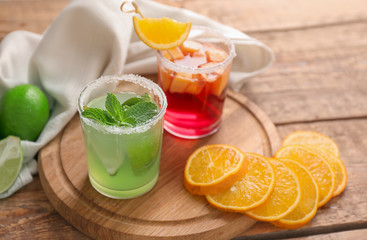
113,107
132,112
135,100
99,115
146,97
141,112
129,122
125,107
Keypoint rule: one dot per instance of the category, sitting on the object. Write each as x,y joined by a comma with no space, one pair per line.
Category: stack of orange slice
326,148
285,190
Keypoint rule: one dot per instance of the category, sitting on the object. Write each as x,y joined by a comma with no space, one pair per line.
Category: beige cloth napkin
91,38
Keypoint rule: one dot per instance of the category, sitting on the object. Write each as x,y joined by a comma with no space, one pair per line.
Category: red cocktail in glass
194,78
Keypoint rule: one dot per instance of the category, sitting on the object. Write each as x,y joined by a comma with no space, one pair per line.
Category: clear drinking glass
194,78
123,162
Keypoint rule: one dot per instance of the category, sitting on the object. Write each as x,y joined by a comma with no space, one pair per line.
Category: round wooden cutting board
168,210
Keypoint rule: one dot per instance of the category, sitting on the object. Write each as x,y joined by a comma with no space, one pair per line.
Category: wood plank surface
30,15
318,82
28,214
319,74
277,15
355,234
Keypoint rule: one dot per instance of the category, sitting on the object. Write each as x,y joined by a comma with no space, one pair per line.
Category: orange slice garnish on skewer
161,33
158,33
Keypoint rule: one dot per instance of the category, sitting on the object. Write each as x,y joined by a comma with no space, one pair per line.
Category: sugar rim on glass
195,70
143,82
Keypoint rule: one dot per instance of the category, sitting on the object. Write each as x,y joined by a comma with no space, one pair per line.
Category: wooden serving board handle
168,210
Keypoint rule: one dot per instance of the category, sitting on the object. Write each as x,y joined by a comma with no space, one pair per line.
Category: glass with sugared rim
123,161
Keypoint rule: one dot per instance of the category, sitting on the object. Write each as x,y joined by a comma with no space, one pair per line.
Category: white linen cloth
91,38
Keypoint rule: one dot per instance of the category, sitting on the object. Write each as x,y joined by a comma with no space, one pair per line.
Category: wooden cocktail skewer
136,8
137,11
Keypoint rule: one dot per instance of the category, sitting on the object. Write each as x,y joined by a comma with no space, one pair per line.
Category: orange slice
316,164
214,168
307,207
338,168
284,198
251,190
161,33
310,138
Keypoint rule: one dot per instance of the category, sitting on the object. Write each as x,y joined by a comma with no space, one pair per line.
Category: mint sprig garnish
113,107
143,98
141,111
130,113
99,115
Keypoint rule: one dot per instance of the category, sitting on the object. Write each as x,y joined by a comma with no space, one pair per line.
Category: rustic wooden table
318,82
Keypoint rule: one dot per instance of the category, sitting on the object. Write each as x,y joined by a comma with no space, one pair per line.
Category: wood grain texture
30,15
277,15
356,234
245,15
168,210
28,214
319,74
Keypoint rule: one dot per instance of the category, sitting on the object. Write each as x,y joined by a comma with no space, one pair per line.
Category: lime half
11,160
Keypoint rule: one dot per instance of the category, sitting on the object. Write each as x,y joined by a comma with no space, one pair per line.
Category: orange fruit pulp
284,198
325,147
161,33
338,168
316,164
308,205
214,168
312,139
252,190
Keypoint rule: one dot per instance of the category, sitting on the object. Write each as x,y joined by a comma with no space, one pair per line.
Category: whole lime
24,112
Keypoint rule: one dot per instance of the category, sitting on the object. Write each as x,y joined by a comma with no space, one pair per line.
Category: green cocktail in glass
123,153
